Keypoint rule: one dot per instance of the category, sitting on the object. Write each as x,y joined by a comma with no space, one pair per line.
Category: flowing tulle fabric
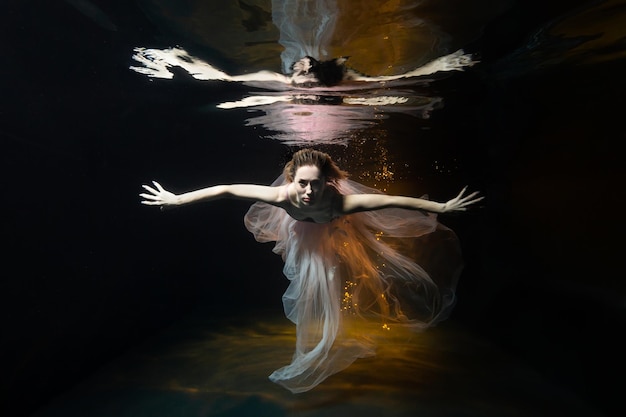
390,267
306,28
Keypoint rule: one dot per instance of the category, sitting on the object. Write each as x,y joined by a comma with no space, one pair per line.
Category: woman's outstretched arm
158,196
366,202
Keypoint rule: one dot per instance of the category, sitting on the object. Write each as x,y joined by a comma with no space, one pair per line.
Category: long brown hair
304,157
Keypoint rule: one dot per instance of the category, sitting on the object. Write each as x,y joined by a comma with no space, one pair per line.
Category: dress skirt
390,267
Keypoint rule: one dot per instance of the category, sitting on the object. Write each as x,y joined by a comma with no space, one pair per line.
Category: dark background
88,272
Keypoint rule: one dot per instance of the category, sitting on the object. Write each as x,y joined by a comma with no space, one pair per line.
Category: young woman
352,254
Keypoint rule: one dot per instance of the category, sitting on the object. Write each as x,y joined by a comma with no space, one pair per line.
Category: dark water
110,308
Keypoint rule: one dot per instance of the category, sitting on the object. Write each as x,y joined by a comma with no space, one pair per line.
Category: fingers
157,185
461,202
469,197
152,203
467,203
149,196
153,197
476,200
462,192
150,189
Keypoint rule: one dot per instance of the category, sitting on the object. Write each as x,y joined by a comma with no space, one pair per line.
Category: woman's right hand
158,196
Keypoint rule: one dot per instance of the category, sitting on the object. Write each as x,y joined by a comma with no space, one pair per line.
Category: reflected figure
306,29
321,102
325,100
305,119
326,73
158,63
352,255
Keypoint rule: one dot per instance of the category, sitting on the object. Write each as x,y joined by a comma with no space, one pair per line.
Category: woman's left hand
460,203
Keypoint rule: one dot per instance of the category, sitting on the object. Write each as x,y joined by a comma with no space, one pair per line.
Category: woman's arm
353,203
158,196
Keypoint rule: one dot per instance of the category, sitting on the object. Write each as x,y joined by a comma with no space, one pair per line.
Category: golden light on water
213,366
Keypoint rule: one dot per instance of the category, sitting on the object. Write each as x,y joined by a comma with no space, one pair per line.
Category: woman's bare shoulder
282,194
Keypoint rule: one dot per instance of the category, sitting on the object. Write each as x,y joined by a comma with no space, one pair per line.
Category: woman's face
309,185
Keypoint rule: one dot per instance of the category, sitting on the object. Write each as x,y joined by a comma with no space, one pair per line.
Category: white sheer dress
392,267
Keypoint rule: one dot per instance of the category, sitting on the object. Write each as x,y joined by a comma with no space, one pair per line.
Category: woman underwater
351,253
